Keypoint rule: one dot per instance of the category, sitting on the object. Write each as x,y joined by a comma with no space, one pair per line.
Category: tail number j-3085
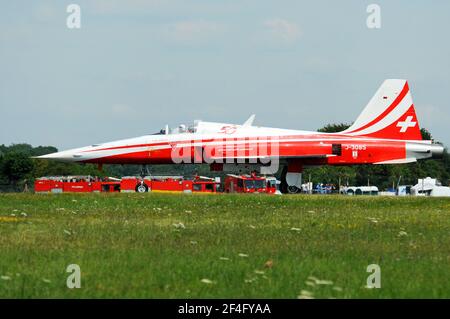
355,147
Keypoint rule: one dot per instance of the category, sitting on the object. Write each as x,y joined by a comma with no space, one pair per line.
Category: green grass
128,246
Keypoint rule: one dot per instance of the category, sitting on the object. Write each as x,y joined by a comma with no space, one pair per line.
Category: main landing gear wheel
141,188
293,189
292,178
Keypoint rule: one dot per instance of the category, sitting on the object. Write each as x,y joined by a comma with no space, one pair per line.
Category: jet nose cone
65,156
46,156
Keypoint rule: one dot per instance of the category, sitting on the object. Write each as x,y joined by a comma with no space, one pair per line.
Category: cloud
283,30
194,31
120,7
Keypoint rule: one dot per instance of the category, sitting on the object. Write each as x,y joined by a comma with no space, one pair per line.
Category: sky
135,66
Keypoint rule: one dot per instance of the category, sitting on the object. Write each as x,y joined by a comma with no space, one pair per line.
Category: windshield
250,184
272,183
259,183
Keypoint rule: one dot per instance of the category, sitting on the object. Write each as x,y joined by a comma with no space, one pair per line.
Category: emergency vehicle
170,184
77,184
89,184
249,184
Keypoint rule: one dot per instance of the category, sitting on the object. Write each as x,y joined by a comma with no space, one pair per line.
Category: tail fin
389,114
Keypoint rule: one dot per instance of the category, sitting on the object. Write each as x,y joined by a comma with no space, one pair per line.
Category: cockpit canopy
197,127
204,127
180,129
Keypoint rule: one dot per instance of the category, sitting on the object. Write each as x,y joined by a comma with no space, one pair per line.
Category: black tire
284,187
293,189
141,188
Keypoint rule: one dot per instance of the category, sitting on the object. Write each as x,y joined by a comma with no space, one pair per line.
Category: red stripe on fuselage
227,138
125,146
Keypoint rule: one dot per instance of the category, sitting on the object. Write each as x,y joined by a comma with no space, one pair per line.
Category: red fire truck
77,184
170,184
250,184
88,184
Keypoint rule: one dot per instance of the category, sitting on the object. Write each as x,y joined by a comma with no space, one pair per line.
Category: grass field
199,246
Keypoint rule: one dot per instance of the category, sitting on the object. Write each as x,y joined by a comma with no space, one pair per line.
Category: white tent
429,186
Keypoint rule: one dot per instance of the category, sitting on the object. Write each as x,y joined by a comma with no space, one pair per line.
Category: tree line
18,168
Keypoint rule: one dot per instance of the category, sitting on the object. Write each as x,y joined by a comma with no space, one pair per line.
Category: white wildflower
324,282
312,281
305,294
249,281
179,226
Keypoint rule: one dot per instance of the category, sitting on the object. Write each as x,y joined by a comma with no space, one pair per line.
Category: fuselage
223,143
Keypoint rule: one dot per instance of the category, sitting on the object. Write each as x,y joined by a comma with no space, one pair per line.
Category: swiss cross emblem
404,125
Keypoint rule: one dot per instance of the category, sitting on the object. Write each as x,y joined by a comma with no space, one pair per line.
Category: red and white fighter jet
386,132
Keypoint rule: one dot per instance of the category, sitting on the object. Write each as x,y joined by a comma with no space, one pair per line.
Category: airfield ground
198,246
